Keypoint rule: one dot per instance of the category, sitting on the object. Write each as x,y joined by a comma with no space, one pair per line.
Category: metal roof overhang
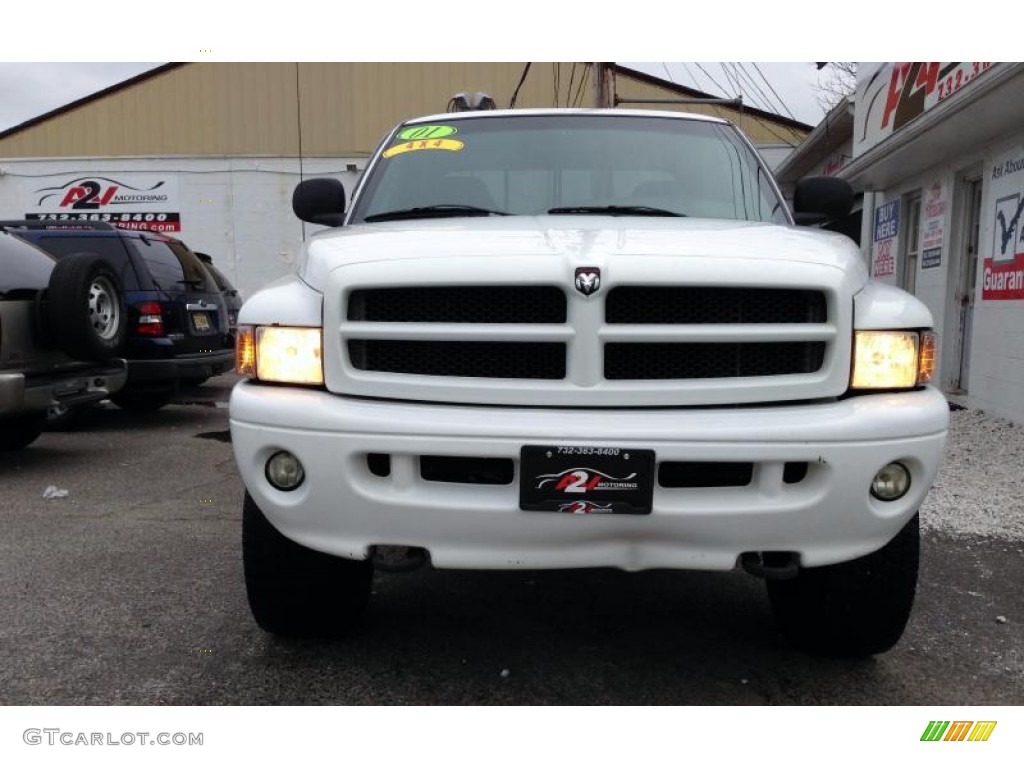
988,110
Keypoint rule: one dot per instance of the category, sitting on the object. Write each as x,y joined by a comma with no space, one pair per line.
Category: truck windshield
571,164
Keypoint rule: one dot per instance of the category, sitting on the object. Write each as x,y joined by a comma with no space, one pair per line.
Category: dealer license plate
201,321
586,480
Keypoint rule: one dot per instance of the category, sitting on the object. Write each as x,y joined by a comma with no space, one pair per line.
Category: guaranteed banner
129,201
1004,266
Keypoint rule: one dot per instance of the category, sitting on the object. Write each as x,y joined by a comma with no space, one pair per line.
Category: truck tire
853,609
85,307
19,431
298,592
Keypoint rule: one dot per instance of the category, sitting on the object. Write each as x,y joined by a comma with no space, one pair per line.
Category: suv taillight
151,320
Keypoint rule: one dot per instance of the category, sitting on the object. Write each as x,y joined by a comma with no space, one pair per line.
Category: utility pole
604,85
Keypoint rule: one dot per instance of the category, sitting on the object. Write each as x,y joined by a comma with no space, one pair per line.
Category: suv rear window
172,266
107,246
22,266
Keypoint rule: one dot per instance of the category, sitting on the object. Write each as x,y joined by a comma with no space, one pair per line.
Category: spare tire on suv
86,313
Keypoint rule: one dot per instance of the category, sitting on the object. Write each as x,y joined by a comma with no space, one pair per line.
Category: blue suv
177,330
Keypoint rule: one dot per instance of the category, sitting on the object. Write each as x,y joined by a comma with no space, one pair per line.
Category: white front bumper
343,509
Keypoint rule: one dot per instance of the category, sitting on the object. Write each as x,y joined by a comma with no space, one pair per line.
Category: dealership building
935,151
211,151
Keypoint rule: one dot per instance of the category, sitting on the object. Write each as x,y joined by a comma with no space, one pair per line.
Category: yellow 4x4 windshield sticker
452,145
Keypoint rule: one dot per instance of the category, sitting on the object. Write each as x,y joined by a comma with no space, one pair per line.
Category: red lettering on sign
108,195
927,76
73,194
900,70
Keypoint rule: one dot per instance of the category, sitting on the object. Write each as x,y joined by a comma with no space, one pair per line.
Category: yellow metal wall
255,108
758,130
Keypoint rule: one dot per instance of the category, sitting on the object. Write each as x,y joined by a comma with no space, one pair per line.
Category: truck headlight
276,353
893,359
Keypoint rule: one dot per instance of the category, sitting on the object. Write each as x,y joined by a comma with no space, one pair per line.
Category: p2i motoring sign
893,94
129,201
1003,268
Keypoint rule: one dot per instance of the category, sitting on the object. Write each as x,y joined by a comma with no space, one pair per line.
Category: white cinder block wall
997,347
996,352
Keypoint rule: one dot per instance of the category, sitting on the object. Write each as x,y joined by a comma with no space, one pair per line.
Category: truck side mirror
320,201
821,198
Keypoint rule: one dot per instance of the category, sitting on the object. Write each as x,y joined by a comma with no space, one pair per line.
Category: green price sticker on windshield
420,132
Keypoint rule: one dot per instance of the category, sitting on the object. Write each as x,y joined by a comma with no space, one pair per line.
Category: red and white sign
933,233
893,94
1003,267
129,200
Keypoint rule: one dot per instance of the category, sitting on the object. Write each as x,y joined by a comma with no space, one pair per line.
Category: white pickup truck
578,339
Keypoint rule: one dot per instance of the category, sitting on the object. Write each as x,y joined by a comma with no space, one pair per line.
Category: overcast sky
29,90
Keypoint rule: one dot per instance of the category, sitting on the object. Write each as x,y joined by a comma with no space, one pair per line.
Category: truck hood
581,239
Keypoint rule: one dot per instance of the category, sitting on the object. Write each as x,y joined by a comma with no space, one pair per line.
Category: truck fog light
284,471
891,482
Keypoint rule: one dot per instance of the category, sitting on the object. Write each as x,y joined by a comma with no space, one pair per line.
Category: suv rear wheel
143,400
86,307
851,609
295,591
19,431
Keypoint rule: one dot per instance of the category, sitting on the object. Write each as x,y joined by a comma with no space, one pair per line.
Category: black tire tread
19,431
294,591
853,609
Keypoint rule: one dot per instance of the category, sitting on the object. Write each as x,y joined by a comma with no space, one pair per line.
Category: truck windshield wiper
434,212
615,210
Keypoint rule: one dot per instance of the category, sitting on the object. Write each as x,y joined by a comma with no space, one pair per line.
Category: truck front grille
459,304
481,359
687,304
626,345
711,360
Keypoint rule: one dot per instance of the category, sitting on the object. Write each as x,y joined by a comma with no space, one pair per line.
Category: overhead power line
788,111
568,92
731,79
692,78
723,91
578,99
764,102
522,79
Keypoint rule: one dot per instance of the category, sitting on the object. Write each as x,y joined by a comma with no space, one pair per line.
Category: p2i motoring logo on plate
586,480
588,280
958,730
585,508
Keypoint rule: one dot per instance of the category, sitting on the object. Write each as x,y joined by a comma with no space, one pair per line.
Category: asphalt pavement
129,590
